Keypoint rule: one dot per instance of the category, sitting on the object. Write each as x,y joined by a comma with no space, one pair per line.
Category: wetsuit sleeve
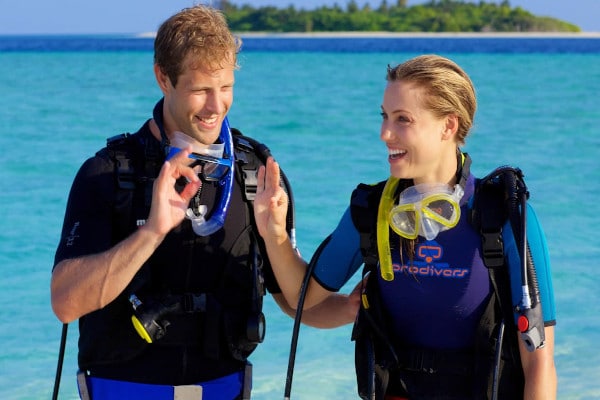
541,260
339,256
87,226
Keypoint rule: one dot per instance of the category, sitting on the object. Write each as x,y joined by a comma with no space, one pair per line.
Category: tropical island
433,16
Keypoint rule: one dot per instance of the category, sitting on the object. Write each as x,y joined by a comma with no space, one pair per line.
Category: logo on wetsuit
426,263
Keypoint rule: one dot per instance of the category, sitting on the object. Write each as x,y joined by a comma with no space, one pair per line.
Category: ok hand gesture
168,205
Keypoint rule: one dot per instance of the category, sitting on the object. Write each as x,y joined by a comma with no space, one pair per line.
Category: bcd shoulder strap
250,154
363,209
493,206
137,163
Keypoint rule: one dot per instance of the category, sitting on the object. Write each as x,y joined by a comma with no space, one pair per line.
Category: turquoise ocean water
319,113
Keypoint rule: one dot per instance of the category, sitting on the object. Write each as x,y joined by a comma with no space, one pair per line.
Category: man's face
199,102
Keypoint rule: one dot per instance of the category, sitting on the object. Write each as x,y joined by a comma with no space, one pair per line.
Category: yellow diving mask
425,210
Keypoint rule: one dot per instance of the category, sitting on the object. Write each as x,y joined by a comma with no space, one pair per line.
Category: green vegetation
433,16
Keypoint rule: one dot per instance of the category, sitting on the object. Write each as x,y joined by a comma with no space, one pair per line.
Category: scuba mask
419,212
213,168
425,210
209,158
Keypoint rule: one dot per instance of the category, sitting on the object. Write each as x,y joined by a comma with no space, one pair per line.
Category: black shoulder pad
496,201
248,161
117,140
118,148
363,205
489,210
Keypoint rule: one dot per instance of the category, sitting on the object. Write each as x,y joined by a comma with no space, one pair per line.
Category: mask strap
464,168
157,114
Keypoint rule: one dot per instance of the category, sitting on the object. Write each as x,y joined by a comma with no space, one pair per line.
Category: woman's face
417,140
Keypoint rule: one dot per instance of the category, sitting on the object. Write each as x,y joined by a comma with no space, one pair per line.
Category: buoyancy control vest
494,361
225,319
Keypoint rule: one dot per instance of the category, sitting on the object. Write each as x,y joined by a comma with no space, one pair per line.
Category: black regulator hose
61,355
298,318
295,332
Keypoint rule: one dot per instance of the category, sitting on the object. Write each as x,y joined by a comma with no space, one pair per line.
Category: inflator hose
518,199
533,331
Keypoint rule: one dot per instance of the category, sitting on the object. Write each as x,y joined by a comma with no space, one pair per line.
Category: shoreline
345,35
391,35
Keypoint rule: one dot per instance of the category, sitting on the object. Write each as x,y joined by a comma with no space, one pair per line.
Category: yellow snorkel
383,228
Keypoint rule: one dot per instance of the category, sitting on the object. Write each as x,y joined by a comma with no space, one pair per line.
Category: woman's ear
450,127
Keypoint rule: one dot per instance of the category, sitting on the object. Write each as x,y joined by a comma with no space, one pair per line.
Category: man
158,259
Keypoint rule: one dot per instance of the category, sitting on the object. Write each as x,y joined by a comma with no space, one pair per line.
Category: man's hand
270,203
168,206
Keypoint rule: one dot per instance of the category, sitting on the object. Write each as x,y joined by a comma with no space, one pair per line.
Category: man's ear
162,79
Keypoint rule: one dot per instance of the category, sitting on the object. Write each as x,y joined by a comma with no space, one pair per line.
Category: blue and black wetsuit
438,296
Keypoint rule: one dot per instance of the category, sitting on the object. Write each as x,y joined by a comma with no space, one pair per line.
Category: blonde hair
198,36
448,89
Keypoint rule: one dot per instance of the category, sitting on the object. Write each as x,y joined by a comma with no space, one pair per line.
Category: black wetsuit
197,346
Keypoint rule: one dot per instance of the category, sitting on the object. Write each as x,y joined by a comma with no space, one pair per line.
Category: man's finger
272,180
260,177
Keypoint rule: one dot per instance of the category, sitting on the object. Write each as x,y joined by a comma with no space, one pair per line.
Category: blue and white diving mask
216,165
426,210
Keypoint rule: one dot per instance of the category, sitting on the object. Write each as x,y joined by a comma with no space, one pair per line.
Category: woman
436,309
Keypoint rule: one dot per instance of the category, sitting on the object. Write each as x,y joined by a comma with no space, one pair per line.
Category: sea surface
316,103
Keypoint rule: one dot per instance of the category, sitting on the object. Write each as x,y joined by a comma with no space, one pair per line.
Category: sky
141,16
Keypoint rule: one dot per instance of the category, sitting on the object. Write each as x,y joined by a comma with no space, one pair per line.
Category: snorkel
202,224
383,232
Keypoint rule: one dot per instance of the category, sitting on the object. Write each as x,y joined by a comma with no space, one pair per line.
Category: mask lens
442,210
404,220
213,169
